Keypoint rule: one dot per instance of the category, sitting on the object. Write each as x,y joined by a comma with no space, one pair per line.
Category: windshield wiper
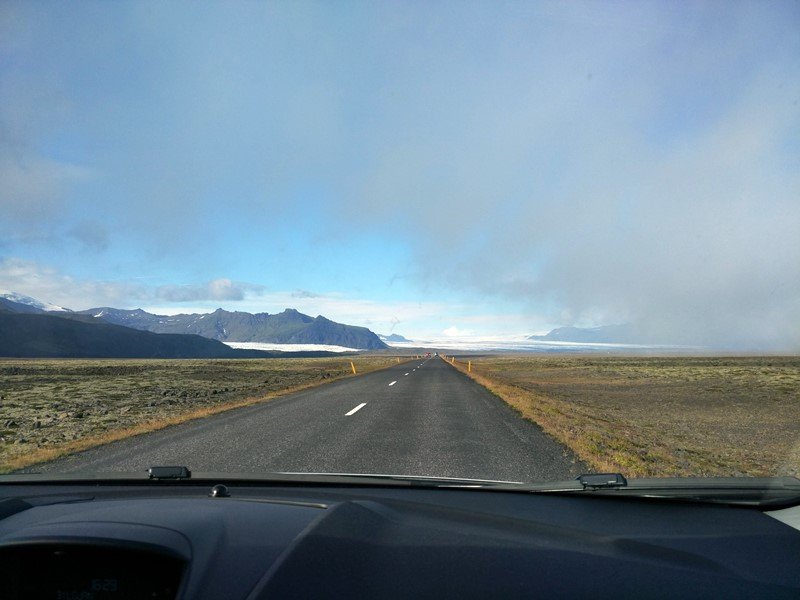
761,492
597,481
182,474
772,492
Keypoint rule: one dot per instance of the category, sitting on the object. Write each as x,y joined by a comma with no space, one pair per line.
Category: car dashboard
85,541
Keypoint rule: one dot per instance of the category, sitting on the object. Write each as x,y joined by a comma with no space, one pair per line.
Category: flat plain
669,417
49,408
642,416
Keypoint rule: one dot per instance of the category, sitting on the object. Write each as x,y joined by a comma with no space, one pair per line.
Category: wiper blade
739,491
180,474
602,480
761,492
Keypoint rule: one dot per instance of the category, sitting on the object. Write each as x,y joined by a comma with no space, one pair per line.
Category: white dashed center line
356,409
405,374
391,384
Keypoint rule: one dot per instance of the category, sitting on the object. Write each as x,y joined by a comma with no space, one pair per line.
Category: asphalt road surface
417,418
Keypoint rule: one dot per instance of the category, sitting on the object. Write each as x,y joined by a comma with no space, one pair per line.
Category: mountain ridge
287,327
22,303
44,335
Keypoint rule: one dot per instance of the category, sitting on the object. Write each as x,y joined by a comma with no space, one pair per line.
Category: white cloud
46,283
49,285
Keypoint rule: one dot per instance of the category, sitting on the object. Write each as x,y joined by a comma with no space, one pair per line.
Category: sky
429,169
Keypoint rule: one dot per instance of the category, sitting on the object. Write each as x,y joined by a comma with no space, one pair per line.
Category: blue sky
473,167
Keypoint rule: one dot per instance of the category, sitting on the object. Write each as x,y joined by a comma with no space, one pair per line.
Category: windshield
500,241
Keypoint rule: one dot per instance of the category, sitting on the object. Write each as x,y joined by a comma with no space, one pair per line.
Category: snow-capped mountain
394,337
31,302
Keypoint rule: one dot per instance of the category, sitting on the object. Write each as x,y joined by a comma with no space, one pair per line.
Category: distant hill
44,335
608,334
394,337
288,327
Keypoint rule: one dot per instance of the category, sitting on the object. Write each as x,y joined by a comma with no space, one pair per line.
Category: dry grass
644,416
49,408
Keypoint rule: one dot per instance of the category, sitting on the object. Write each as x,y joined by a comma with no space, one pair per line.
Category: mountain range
288,327
31,328
44,335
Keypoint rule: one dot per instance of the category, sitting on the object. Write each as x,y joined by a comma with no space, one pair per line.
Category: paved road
419,418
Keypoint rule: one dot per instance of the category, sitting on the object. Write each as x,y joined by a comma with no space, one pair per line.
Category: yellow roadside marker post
352,366
469,366
453,360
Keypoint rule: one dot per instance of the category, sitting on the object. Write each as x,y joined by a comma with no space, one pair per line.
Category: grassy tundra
676,416
52,407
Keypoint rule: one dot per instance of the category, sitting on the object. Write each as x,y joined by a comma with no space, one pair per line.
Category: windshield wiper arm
762,492
596,481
